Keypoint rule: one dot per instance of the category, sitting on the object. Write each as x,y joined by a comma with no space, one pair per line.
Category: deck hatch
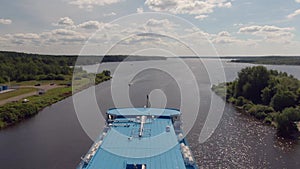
136,166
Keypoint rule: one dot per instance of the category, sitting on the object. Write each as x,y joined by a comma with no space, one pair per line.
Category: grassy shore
12,113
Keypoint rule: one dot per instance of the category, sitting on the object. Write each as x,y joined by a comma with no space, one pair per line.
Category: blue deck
157,149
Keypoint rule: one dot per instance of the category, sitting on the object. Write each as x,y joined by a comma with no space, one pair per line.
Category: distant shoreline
271,60
86,59
265,60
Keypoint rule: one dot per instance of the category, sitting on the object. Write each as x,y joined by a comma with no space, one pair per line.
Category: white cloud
198,8
73,39
238,24
64,32
140,39
156,32
63,36
266,28
224,40
28,36
56,36
250,29
5,21
68,23
295,13
2,38
271,33
140,10
201,17
158,23
224,34
95,25
71,34
160,26
89,4
110,14
21,38
65,21
161,5
90,25
224,37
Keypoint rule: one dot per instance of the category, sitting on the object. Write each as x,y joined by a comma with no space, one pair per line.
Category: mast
147,103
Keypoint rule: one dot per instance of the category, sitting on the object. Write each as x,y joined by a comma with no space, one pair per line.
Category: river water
55,139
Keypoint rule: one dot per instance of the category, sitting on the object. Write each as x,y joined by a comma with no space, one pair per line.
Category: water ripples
240,142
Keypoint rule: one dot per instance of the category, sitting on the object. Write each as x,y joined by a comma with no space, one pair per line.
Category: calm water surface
54,138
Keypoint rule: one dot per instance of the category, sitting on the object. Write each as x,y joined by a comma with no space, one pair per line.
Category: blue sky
230,27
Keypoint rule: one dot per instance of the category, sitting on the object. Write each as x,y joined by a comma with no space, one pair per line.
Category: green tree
283,99
260,111
251,81
298,95
266,96
286,121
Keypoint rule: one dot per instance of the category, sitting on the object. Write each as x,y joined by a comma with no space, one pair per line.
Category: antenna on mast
147,104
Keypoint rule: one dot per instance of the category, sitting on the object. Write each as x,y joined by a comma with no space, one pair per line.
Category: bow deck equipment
140,138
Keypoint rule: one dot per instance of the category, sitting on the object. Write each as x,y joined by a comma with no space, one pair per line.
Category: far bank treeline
268,95
269,60
16,66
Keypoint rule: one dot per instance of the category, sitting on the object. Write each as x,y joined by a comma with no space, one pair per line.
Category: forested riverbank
49,78
268,60
268,95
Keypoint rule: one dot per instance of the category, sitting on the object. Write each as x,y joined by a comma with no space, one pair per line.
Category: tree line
23,67
270,60
16,66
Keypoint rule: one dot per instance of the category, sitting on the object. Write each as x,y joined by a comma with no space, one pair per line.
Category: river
55,139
